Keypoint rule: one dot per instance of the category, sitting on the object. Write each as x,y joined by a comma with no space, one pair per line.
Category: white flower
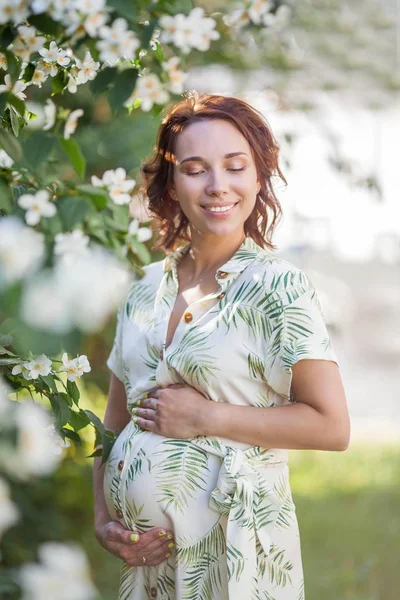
87,68
192,31
13,11
62,575
59,443
69,245
138,207
27,42
55,55
39,77
280,19
16,89
72,84
21,250
93,23
117,185
142,233
258,9
22,368
76,367
150,90
40,365
176,76
3,61
50,114
6,162
117,42
81,293
34,454
9,513
37,206
72,122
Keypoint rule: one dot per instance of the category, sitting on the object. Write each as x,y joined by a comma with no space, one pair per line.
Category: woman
221,363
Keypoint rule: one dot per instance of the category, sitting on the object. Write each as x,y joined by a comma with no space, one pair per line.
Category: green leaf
141,251
37,148
98,196
3,102
14,120
12,64
17,103
123,87
120,217
10,144
61,410
78,420
9,361
103,80
94,419
49,379
72,435
147,32
59,82
7,36
6,203
72,150
73,391
125,9
73,210
28,72
45,24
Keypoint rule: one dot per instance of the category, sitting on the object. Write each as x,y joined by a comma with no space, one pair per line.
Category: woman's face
215,178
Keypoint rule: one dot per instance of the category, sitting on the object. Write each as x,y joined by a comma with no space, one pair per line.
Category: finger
149,412
145,424
154,538
116,533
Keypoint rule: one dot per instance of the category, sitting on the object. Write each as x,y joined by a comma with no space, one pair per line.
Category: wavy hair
157,170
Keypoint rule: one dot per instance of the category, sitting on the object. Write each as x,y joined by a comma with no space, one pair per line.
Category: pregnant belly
153,481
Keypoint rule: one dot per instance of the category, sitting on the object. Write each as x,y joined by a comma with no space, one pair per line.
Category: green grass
348,507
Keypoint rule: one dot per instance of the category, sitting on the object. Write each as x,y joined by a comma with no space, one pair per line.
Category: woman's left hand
176,411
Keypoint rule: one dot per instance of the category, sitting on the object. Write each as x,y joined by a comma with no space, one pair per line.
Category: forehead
209,139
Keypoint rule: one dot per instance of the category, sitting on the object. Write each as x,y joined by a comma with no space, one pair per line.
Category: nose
217,184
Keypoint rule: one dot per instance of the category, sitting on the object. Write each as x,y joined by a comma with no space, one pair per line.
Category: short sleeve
114,361
299,332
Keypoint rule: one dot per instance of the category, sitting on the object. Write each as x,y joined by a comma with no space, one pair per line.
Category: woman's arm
318,420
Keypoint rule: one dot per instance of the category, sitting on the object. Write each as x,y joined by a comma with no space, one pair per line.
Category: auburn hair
157,170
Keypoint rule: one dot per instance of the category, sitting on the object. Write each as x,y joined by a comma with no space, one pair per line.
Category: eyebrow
200,159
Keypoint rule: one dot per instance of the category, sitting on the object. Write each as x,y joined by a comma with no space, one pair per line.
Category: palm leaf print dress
229,504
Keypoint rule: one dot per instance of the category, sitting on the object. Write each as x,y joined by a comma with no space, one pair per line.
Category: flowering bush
70,246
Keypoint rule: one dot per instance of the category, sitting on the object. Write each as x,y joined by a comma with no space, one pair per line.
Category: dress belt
244,494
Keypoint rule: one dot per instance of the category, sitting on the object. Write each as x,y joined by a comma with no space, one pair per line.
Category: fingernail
171,545
169,536
162,532
134,419
133,410
168,555
134,538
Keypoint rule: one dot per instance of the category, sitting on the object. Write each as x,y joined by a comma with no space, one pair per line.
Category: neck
205,256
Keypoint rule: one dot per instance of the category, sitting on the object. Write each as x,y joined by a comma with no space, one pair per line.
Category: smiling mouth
219,208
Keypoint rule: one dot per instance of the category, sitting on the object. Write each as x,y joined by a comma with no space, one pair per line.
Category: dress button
222,274
153,592
222,295
119,514
120,465
188,317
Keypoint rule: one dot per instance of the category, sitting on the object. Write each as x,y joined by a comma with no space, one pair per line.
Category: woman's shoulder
278,274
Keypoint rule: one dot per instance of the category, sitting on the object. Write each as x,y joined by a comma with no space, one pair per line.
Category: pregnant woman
221,363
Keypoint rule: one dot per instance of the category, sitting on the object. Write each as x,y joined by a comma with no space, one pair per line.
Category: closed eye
199,172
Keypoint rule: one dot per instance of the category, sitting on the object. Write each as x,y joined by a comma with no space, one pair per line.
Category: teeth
220,208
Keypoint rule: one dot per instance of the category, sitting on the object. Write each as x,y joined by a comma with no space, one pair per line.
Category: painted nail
134,419
169,536
168,555
134,538
162,532
133,410
171,545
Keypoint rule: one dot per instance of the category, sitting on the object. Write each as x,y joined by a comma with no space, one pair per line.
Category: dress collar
247,253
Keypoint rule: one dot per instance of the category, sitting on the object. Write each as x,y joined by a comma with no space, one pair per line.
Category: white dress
229,504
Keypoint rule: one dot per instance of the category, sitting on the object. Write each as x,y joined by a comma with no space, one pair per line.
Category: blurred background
328,83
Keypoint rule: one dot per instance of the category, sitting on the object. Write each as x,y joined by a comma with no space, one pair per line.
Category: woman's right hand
155,545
